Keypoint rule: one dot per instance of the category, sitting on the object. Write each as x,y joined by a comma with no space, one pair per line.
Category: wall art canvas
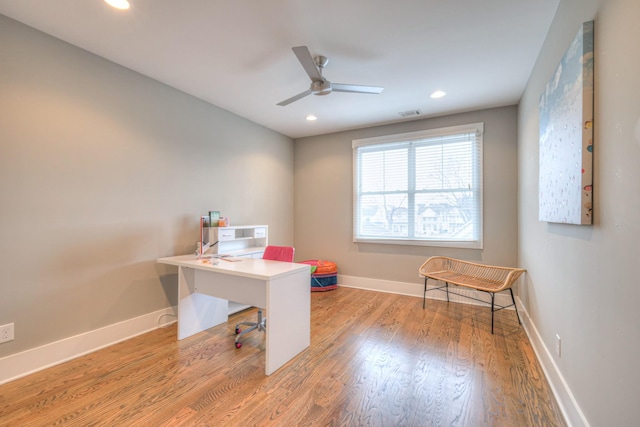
566,136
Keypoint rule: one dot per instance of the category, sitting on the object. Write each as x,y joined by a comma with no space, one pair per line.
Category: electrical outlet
558,346
6,332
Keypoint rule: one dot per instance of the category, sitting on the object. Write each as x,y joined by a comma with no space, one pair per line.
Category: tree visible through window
420,187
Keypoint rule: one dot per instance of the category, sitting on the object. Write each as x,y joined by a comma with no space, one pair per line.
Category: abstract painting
566,136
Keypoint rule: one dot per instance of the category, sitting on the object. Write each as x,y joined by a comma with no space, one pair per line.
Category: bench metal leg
515,306
493,300
493,297
424,295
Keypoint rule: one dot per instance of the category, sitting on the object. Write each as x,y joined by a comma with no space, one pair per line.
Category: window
420,188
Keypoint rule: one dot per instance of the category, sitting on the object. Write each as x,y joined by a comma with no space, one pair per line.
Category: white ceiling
237,54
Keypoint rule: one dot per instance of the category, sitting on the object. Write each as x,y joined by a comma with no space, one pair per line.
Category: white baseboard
36,359
571,411
417,290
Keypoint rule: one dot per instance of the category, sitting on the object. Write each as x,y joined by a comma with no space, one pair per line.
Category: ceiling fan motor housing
321,87
321,61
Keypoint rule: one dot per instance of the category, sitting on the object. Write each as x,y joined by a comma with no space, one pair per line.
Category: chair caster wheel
238,330
238,344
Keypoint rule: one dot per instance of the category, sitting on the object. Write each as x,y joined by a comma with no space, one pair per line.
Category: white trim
417,290
467,244
477,128
406,139
573,415
36,359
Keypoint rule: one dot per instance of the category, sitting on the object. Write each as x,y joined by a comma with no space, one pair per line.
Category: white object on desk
281,288
246,241
240,240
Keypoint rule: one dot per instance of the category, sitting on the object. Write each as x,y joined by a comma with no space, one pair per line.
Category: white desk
281,288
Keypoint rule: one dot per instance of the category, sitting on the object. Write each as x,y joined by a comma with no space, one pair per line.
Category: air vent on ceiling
410,113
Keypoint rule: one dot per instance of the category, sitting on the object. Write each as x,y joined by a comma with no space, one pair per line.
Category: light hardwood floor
375,359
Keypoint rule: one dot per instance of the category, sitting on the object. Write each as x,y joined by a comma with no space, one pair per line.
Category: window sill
435,243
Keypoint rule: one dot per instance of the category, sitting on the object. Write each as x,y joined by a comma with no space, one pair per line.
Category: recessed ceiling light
438,94
311,117
118,4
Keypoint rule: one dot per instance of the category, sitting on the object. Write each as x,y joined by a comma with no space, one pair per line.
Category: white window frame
474,128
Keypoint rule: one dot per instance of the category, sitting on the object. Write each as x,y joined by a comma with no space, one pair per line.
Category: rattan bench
481,277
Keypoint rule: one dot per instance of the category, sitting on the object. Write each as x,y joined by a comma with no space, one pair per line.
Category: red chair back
279,253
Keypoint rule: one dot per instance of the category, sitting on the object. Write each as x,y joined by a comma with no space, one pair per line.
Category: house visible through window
420,188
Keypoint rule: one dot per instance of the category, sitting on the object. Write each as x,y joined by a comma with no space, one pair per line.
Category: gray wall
582,282
324,200
102,171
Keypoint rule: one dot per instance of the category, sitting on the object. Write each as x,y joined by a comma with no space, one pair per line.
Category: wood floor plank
375,359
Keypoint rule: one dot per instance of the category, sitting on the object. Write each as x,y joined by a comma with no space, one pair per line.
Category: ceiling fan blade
294,98
341,87
309,65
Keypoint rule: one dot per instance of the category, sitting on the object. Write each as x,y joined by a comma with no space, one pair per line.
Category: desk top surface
245,267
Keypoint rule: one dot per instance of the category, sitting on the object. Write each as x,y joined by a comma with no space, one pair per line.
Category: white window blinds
421,188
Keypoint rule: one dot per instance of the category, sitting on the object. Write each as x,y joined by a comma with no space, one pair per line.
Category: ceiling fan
319,85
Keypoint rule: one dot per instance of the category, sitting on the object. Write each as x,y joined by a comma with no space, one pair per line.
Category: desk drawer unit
259,232
226,234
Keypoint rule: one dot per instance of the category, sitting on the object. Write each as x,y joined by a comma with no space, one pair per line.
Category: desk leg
288,319
197,312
